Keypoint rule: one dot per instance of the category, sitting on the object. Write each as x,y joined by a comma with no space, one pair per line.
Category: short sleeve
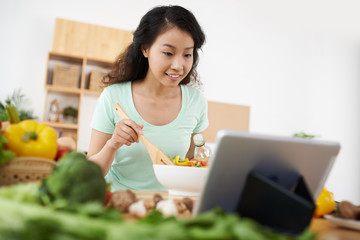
103,118
202,106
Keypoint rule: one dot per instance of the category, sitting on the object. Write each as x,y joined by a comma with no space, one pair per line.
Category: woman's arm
100,150
103,146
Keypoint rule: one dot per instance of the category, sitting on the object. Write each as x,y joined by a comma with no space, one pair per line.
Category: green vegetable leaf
303,135
21,193
19,101
5,155
22,220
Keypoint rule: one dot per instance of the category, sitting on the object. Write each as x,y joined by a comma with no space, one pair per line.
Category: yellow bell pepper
29,138
180,162
325,203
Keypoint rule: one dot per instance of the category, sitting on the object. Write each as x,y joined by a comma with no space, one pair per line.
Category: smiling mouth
174,75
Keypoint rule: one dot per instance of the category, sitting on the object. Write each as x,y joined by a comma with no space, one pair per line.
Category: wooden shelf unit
70,96
90,48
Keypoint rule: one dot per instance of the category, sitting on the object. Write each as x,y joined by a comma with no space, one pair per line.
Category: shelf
100,62
65,57
92,92
62,125
78,59
63,89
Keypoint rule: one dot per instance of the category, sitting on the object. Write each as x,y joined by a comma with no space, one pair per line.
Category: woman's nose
177,63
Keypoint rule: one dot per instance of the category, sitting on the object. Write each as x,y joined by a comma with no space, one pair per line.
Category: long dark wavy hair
131,65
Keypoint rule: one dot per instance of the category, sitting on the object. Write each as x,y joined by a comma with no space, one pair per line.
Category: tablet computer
281,159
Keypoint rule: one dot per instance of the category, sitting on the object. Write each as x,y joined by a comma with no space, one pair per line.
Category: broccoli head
75,180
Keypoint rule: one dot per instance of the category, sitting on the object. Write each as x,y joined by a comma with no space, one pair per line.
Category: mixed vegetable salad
177,160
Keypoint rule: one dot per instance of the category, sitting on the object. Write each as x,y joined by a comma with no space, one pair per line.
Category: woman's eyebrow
171,46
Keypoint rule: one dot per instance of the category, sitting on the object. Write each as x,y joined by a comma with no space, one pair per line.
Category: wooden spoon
156,155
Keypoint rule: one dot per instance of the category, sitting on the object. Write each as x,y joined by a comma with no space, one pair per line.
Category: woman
149,80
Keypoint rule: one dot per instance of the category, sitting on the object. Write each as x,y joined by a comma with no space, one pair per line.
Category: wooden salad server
156,155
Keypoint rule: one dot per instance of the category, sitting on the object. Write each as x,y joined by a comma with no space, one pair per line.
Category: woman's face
170,57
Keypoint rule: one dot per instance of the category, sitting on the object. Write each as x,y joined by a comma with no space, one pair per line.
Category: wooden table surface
329,231
325,229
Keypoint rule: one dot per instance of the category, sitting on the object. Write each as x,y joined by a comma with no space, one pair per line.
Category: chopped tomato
203,163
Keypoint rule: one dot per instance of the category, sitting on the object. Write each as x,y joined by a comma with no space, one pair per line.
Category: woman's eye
168,53
188,55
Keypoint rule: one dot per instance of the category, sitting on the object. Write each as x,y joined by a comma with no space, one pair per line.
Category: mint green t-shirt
132,166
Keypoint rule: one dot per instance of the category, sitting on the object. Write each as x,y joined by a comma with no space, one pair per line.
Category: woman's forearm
105,157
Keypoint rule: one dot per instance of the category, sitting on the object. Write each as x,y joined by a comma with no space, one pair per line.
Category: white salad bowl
180,180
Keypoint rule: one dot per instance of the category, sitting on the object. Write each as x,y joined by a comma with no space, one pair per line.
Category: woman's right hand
126,132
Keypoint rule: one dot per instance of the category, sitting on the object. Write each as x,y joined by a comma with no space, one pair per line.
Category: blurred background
295,63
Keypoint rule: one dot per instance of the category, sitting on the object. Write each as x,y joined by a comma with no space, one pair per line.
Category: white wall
295,63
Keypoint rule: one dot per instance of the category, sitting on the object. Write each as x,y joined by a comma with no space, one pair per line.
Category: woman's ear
145,51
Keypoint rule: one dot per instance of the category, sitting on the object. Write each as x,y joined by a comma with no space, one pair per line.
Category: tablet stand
272,205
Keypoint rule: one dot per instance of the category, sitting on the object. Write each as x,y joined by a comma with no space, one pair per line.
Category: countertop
325,229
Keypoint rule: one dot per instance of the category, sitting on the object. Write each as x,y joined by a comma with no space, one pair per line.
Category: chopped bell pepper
193,162
181,162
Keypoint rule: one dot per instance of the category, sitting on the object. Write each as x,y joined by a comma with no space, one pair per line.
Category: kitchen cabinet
89,40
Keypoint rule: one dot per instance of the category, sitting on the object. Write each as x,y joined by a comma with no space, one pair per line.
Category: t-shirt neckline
178,117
